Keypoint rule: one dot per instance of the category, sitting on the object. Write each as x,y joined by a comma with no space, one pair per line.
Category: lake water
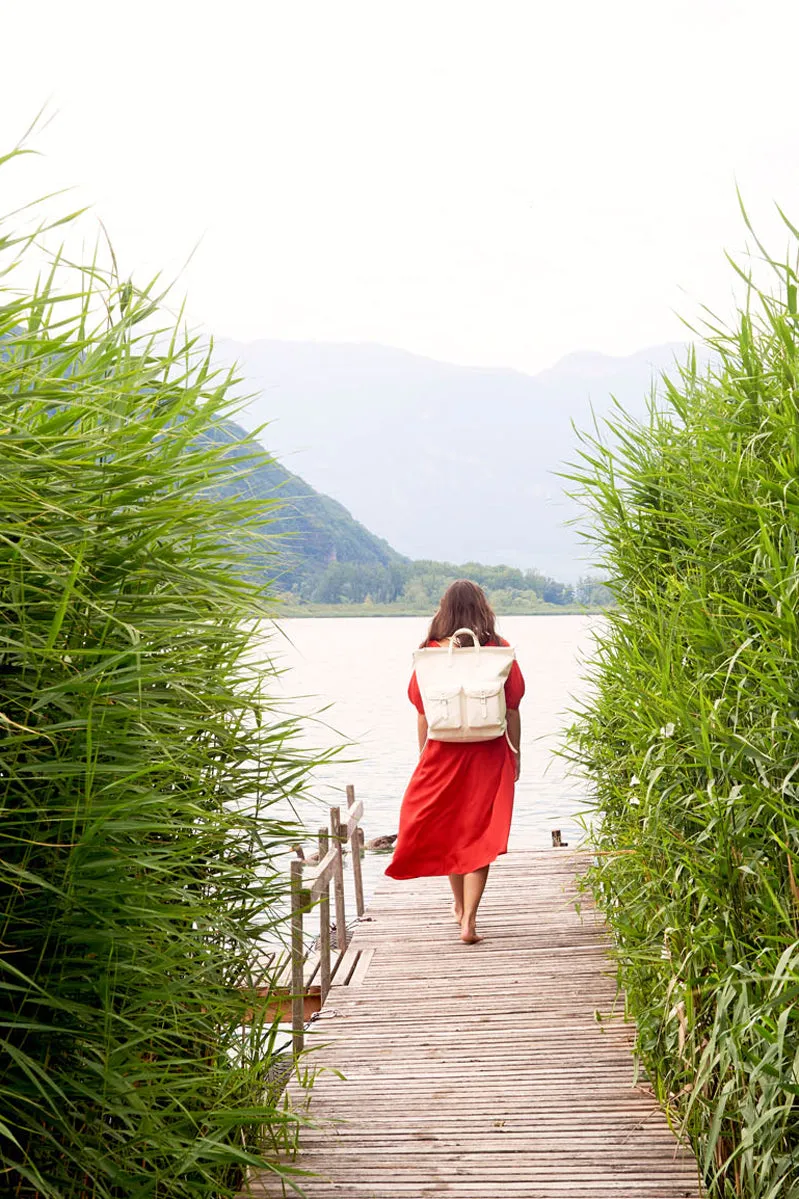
358,668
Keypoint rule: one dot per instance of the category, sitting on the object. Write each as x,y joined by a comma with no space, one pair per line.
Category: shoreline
342,611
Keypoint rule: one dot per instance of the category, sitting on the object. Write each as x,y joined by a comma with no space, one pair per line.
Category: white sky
493,183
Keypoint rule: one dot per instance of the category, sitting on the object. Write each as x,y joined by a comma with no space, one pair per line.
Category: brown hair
463,606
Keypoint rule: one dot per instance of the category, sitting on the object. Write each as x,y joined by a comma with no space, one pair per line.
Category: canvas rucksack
463,689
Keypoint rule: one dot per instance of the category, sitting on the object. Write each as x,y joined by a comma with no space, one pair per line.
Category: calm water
358,668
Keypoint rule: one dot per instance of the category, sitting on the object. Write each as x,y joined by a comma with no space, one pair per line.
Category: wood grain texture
354,817
338,880
479,1072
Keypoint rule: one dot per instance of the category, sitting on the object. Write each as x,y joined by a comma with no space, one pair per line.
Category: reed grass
140,755
691,735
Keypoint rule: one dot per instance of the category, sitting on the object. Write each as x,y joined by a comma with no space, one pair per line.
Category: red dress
455,814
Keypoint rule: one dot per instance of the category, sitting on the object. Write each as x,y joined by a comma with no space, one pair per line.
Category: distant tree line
420,584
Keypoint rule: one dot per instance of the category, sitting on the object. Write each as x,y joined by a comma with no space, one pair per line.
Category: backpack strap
472,634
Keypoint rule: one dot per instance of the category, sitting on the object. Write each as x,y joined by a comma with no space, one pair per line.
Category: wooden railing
302,986
313,887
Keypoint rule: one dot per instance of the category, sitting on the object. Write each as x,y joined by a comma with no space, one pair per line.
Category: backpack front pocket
444,709
485,707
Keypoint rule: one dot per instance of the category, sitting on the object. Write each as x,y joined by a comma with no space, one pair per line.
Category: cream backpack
463,689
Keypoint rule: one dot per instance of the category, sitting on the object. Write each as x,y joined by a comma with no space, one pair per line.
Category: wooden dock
480,1072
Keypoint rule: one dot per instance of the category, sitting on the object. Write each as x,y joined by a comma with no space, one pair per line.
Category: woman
455,815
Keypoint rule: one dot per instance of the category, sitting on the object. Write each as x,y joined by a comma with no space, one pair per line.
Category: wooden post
338,879
557,843
297,954
355,850
324,924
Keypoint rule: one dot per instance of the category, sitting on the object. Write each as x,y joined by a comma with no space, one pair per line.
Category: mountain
310,531
445,462
318,554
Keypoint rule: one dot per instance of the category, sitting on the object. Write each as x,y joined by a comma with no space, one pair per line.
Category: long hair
463,606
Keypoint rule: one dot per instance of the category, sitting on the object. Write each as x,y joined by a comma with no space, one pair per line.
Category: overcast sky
492,183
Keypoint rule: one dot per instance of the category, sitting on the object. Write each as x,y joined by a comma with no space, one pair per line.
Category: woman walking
455,815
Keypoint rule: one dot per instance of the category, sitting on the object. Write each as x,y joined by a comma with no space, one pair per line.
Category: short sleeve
514,687
415,695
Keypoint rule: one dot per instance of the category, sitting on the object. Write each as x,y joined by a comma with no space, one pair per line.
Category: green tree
592,592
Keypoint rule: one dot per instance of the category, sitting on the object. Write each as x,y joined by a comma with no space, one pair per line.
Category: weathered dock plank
479,1072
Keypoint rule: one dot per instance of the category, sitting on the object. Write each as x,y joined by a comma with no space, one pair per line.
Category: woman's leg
473,887
456,882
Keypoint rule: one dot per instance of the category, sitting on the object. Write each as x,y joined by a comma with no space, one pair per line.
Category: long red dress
455,815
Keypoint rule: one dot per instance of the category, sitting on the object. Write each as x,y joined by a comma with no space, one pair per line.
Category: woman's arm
421,729
515,734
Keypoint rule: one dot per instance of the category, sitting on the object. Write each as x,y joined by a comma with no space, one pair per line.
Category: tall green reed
140,754
691,736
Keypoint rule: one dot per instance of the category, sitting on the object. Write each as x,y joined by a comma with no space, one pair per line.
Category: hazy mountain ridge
444,462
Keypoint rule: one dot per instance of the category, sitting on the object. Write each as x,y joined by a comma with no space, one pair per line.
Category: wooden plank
346,964
354,815
338,880
324,923
320,878
480,1071
364,962
297,949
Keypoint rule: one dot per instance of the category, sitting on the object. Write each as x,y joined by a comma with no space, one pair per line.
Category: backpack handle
472,634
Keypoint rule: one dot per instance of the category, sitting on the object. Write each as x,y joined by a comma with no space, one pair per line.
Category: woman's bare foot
469,933
457,913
